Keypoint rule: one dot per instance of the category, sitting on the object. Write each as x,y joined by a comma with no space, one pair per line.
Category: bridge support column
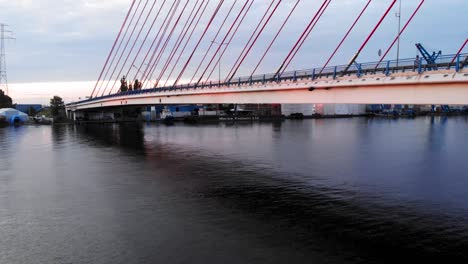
457,65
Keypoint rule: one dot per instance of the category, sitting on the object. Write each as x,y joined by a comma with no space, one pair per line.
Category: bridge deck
388,68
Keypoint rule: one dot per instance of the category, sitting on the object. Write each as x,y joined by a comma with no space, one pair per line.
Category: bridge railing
448,62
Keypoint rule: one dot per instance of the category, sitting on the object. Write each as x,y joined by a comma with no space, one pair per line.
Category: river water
313,191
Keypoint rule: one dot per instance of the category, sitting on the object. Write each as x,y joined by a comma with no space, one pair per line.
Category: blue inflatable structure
13,116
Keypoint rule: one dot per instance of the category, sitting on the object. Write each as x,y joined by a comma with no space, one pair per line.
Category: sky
61,45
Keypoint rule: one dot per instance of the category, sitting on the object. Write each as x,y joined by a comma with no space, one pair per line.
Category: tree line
5,100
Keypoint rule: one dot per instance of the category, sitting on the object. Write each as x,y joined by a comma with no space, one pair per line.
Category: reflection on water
330,191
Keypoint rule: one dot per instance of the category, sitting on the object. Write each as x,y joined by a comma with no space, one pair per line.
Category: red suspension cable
305,37
132,48
189,37
125,47
123,51
222,41
401,32
213,41
301,37
144,40
252,36
158,52
154,39
276,36
118,51
459,51
147,34
178,42
254,41
199,41
113,46
167,42
230,40
346,36
370,35
162,30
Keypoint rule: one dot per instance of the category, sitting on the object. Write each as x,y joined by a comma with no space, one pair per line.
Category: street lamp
219,62
219,69
398,15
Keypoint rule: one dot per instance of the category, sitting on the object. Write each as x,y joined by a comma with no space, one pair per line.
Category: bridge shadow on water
128,136
341,224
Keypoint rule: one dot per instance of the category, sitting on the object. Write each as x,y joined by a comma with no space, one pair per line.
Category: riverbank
229,119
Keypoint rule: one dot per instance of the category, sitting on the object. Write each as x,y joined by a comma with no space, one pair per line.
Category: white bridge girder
437,87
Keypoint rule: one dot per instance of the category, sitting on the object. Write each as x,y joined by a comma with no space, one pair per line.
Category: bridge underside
441,93
452,94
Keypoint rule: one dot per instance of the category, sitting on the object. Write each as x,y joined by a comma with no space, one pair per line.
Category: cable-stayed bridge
167,52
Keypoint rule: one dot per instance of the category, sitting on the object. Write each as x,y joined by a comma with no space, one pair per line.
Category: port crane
430,58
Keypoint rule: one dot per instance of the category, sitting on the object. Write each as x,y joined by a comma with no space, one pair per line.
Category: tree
57,106
5,100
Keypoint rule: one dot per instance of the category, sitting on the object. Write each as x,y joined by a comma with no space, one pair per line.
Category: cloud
41,92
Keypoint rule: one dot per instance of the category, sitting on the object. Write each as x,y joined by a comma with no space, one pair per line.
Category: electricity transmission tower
4,35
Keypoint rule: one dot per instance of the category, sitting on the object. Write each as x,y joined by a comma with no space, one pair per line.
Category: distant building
25,107
323,109
340,109
261,109
304,109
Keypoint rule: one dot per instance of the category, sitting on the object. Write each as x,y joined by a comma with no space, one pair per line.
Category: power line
4,35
